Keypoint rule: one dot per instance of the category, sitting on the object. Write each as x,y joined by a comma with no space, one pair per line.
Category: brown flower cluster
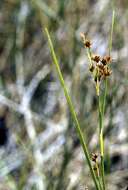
94,158
86,42
99,66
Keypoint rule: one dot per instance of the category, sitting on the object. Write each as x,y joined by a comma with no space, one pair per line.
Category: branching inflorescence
99,66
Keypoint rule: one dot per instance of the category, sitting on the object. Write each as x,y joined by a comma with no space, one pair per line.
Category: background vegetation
43,151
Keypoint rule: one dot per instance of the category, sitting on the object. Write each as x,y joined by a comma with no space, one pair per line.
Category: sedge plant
100,70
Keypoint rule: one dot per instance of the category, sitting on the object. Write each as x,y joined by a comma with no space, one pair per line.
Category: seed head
94,157
107,72
86,42
91,68
100,66
108,58
105,60
96,58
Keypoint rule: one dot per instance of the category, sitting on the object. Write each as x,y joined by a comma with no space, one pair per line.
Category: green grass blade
42,6
80,134
111,33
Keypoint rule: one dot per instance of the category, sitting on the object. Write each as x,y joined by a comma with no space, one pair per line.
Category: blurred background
39,148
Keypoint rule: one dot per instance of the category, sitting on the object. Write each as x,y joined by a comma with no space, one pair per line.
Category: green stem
89,53
80,134
102,171
101,139
111,32
102,109
104,98
98,176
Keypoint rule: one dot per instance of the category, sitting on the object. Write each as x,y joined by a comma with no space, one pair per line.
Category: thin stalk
104,98
111,33
102,172
101,134
74,115
100,185
43,7
98,175
102,108
101,139
110,48
89,53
